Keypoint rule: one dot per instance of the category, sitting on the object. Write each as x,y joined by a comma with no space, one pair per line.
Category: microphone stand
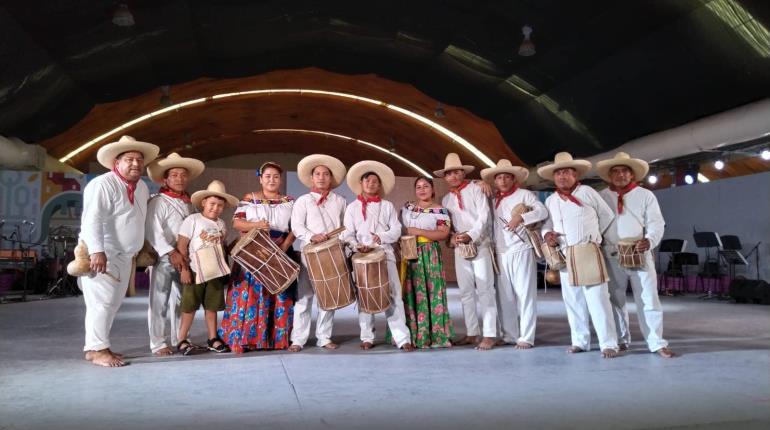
756,263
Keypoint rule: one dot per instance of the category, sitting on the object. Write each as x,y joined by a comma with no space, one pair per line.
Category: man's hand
363,248
176,260
514,223
99,262
551,238
463,238
318,238
643,245
376,239
485,187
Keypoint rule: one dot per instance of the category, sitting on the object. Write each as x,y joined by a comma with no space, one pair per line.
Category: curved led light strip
437,127
404,160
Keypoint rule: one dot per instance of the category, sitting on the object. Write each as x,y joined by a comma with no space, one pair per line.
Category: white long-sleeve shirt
109,222
164,217
308,219
641,217
381,219
578,224
473,218
506,240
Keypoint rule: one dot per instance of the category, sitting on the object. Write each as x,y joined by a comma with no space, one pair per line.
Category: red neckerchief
174,195
456,192
324,195
568,194
130,185
365,200
500,196
622,192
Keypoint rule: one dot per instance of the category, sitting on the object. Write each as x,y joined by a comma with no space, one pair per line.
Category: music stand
708,240
673,246
730,253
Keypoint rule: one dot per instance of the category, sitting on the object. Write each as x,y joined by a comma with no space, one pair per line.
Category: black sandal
222,347
185,347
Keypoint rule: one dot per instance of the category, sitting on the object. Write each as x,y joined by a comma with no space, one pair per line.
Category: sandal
185,347
222,347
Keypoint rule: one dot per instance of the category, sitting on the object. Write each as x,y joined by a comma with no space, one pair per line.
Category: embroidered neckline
414,208
284,199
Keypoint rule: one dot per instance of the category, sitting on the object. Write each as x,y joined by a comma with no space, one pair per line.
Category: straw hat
109,152
306,165
562,161
452,162
505,166
215,188
387,178
158,168
638,166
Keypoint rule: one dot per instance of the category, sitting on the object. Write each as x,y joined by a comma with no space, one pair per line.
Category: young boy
199,231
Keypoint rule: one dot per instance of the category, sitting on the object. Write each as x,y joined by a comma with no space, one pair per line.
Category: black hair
367,174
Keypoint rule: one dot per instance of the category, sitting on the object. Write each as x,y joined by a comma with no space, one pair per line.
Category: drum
261,257
553,256
467,250
147,256
585,265
536,241
328,272
628,256
370,272
408,247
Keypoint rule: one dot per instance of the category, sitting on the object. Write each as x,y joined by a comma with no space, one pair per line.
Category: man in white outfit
165,213
578,215
314,215
637,218
469,210
112,227
517,280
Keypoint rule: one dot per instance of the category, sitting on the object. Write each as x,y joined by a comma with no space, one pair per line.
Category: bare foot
623,347
116,354
89,355
523,345
666,353
407,347
331,345
575,350
486,344
366,345
295,348
500,342
609,353
106,359
163,352
467,340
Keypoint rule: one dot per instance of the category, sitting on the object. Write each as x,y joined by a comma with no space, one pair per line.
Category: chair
678,269
671,246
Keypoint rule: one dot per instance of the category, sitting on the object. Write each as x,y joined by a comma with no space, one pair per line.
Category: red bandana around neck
130,185
173,194
456,192
324,195
365,200
500,196
568,194
622,192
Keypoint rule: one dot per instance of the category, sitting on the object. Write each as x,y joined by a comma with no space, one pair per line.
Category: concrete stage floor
721,380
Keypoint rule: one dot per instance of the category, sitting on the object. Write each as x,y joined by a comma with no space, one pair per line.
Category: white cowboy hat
564,160
638,166
158,168
109,152
215,188
504,166
306,165
452,162
385,173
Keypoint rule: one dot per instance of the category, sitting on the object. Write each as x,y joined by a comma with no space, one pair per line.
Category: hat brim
521,174
306,165
385,173
442,172
638,166
198,197
581,167
109,152
157,169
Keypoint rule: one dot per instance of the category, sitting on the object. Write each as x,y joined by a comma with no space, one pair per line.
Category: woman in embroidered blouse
254,318
425,301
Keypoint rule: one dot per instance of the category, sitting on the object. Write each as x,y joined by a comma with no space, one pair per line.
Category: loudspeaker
750,291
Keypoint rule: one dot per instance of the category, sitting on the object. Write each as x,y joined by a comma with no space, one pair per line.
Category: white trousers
516,294
582,302
394,314
103,296
476,279
164,301
644,284
303,314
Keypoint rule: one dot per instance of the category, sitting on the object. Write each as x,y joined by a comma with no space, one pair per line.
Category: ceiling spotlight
689,179
439,112
652,179
719,164
765,154
527,48
122,16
